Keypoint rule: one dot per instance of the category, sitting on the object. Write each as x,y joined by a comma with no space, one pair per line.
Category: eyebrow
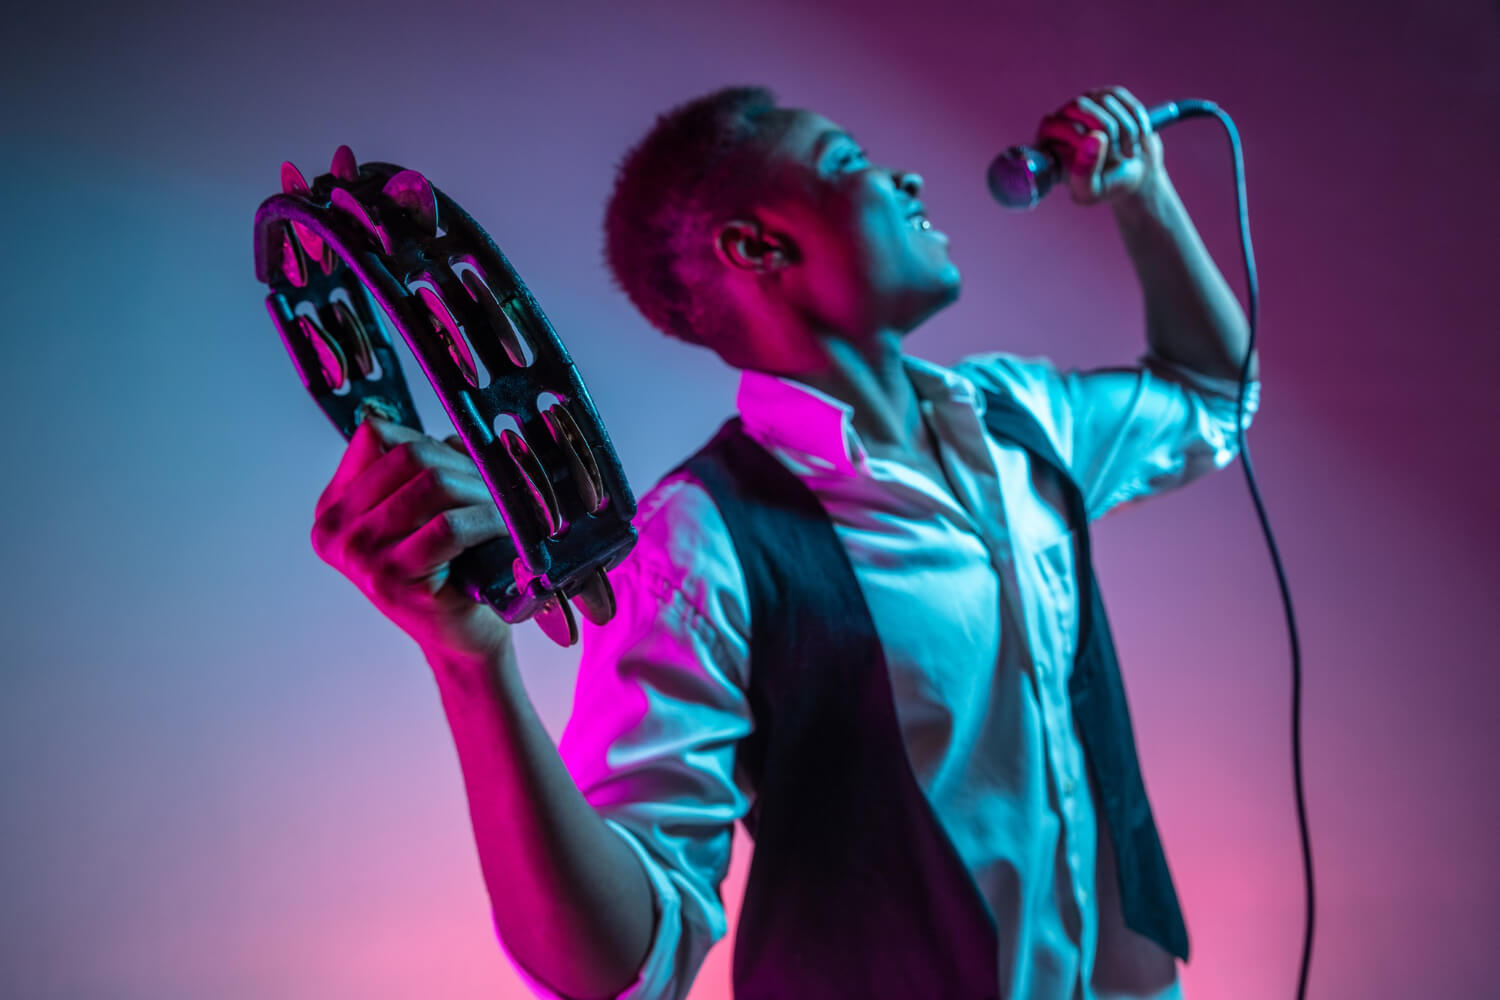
826,138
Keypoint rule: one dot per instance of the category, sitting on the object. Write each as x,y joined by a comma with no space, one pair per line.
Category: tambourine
373,239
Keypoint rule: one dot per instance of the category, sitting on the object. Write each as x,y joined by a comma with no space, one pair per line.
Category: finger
364,447
376,483
1094,117
442,539
397,467
1130,129
391,433
1137,110
371,439
415,501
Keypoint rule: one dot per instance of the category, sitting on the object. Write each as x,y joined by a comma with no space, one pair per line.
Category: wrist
1152,201
470,672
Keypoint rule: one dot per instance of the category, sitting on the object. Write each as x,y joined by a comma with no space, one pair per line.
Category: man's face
859,257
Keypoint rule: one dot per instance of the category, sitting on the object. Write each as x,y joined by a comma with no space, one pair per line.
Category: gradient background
223,774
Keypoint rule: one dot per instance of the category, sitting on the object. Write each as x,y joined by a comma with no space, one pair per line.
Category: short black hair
672,189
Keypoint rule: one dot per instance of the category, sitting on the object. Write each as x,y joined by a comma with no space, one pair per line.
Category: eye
851,159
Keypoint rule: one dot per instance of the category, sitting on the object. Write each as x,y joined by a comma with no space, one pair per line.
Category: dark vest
855,890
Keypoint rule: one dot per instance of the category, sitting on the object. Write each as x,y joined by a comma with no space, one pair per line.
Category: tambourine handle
485,567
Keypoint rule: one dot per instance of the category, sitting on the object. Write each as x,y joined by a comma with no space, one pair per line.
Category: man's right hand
400,508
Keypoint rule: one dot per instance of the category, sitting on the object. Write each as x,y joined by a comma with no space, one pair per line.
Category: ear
743,245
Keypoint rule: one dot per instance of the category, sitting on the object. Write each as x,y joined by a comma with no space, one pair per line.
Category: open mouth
917,218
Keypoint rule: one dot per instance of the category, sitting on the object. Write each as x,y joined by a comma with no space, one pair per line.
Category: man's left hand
1105,144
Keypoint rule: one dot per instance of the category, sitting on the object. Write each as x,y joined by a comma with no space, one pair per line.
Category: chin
935,298
952,280
946,286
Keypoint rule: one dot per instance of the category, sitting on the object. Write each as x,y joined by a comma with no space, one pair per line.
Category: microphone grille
1020,176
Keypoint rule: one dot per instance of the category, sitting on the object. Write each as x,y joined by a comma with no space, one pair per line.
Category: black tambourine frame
369,238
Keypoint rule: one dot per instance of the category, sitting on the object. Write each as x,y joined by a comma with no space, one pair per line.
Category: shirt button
1069,786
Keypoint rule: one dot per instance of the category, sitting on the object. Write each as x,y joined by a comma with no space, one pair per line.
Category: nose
909,182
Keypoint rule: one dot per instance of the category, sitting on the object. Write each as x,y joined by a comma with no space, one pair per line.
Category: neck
872,379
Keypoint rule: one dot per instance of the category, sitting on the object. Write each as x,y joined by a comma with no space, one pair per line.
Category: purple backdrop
222,774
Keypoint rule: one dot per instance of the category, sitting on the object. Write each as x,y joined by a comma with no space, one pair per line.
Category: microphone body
1020,176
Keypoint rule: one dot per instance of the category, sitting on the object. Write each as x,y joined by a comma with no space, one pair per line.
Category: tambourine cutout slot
452,335
330,356
314,248
506,422
293,263
351,332
585,470
535,479
500,325
516,319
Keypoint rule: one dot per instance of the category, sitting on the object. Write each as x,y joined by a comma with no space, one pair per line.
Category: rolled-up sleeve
658,710
1126,433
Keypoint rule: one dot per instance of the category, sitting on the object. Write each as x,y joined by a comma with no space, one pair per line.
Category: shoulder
683,552
1035,382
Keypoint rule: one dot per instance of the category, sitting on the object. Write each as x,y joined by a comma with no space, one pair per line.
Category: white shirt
974,599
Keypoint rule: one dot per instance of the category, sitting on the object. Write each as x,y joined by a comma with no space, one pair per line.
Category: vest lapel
1096,692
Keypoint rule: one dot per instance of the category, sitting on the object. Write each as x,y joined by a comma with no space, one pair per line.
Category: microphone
1021,175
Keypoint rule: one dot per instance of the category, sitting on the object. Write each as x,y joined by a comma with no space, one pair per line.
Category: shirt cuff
657,969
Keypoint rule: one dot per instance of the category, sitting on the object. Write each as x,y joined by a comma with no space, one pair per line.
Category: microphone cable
1197,109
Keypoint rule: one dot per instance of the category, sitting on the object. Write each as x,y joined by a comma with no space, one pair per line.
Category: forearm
570,898
1192,316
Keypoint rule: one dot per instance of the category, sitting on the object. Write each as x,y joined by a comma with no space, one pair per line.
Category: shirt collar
784,413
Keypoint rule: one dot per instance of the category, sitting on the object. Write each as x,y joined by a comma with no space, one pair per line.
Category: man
970,806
